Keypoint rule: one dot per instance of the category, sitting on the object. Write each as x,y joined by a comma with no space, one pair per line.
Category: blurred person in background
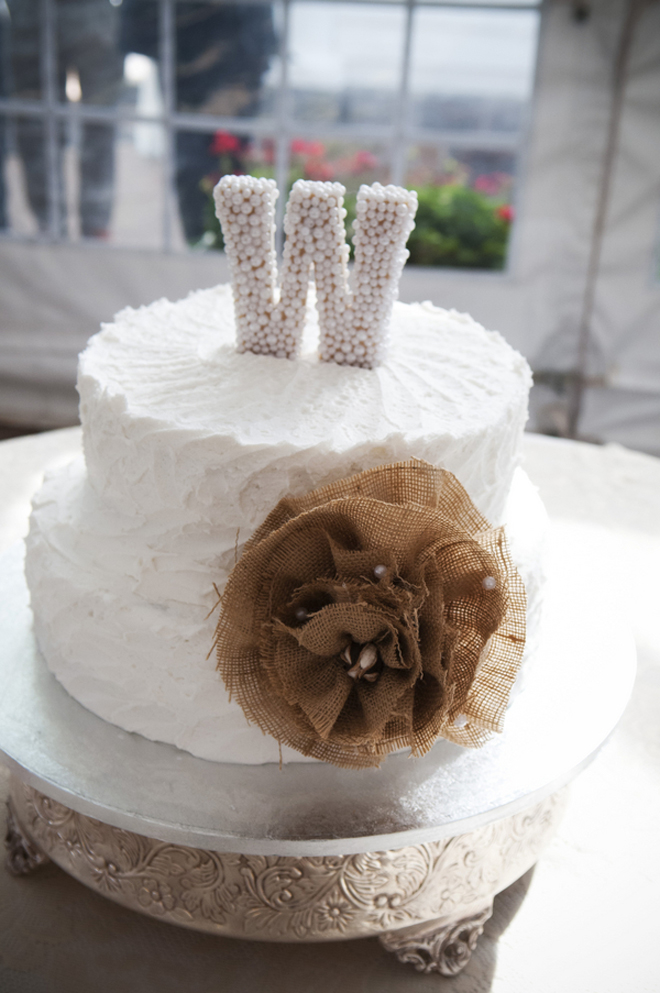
87,33
222,52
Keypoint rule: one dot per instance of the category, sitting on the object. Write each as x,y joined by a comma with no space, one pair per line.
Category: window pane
464,213
349,163
201,159
21,38
471,83
90,60
226,58
15,209
70,196
68,182
345,61
139,188
472,68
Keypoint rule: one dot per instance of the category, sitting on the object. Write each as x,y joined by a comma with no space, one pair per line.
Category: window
118,116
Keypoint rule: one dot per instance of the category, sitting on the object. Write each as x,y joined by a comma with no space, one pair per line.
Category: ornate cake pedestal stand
413,852
428,903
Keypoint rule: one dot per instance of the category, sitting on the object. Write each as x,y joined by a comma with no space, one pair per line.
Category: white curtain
623,404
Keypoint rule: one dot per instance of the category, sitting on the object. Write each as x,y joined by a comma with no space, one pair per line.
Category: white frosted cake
188,445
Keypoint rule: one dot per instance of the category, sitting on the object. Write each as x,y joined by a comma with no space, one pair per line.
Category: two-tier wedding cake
189,445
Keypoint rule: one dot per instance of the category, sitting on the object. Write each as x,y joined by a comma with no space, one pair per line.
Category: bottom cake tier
124,617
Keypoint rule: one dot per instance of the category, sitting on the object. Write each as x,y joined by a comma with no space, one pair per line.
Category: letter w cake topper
353,323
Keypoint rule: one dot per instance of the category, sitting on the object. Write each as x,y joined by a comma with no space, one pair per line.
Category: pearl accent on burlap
353,324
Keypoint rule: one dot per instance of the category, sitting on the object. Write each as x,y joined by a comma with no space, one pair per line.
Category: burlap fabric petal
397,559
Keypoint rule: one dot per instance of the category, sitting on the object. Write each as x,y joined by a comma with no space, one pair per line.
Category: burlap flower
373,614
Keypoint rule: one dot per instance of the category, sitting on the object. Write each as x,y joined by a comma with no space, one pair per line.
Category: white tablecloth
585,920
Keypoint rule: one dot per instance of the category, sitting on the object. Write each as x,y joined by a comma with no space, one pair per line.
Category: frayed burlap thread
398,559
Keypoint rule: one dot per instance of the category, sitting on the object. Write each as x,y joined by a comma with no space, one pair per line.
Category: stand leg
437,947
23,856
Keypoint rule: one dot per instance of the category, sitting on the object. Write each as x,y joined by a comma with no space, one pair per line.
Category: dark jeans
87,34
193,162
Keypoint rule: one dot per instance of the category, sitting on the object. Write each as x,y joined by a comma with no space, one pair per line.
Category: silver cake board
413,851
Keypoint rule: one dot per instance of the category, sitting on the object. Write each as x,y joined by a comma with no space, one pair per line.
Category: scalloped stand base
22,856
427,903
438,947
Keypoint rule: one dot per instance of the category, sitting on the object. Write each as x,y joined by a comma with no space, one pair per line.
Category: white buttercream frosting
188,446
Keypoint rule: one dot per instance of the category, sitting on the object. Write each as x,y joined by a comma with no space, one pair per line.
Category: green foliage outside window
459,226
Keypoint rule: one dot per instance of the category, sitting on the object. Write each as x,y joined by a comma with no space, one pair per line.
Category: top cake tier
175,419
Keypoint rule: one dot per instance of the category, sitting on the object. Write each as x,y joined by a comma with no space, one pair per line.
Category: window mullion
167,62
282,143
48,55
399,137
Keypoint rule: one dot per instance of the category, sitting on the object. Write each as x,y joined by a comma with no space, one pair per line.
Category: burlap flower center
326,585
338,615
312,661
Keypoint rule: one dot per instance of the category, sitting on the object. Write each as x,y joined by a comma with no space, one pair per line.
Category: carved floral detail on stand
286,898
